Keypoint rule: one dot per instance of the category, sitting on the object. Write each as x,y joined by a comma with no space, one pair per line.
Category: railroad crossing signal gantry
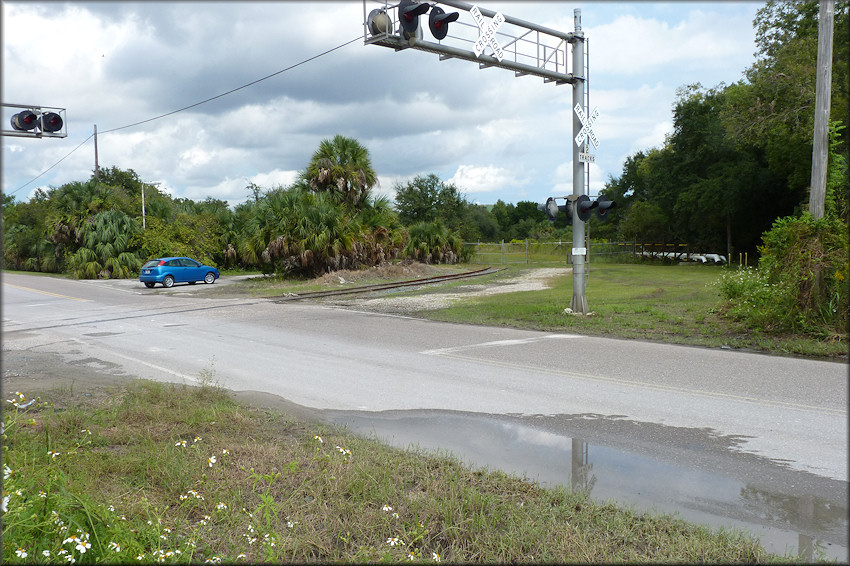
523,47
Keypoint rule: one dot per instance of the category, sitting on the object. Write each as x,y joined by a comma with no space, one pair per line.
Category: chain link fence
541,253
530,252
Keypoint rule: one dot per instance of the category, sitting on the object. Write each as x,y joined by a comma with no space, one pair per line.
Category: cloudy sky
494,135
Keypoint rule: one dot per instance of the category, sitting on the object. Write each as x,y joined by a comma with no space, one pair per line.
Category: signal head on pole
408,15
24,121
379,22
584,207
603,205
550,208
438,22
51,122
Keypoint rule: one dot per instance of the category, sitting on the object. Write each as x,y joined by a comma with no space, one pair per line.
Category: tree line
739,156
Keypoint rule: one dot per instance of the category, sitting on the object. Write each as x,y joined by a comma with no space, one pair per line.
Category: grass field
155,472
678,304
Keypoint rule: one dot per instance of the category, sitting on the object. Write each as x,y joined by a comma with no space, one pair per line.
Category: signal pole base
579,304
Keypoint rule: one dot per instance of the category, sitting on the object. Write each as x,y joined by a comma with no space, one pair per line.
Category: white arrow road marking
455,349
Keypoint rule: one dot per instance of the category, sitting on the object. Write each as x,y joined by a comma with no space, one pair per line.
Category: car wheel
168,281
149,284
209,278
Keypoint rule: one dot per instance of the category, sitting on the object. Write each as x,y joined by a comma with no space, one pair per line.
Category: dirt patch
533,280
389,271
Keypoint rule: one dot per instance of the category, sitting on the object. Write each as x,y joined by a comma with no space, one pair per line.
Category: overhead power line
54,165
340,46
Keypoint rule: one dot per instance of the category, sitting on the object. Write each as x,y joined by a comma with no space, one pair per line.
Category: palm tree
105,251
433,242
343,167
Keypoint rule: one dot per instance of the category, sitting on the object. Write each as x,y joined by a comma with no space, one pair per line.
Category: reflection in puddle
789,511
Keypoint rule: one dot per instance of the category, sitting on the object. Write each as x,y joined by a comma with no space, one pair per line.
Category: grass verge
678,304
158,472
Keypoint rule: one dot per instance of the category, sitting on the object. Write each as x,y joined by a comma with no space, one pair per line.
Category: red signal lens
25,120
51,122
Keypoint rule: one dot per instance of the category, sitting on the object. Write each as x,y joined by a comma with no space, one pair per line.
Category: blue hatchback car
171,270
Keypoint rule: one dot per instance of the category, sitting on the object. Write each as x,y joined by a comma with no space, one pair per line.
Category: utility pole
143,207
823,87
96,167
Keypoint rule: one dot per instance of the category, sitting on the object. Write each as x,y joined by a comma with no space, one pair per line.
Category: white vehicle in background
715,258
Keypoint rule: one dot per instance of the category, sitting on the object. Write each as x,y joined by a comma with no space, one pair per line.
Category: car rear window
152,263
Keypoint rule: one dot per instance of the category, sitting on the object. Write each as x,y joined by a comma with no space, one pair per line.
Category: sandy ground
534,280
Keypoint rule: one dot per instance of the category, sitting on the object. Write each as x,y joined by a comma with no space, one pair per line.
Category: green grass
176,474
678,304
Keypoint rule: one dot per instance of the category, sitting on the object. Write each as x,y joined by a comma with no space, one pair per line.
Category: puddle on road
689,472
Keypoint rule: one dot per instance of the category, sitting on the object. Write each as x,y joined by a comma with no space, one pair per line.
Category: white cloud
486,179
634,46
275,178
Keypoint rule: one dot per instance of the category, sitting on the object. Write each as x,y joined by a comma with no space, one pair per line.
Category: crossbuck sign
587,126
488,33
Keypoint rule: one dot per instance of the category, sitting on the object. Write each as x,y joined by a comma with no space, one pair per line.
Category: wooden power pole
823,88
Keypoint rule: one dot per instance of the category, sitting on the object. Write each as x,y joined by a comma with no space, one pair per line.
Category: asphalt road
782,408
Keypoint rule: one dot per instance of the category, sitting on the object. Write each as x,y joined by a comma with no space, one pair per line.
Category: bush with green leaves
801,282
301,231
433,242
193,235
105,251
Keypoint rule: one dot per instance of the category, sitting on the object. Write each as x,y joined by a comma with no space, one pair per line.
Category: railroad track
385,286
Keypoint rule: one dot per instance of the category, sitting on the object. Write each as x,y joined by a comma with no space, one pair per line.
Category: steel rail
384,286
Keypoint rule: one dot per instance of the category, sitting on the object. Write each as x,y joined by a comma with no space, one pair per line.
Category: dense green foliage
427,199
343,167
740,156
801,283
311,232
433,242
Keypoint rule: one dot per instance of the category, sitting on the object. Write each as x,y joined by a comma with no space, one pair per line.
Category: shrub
433,242
752,298
801,281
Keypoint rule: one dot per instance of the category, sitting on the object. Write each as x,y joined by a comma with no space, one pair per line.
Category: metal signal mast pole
579,302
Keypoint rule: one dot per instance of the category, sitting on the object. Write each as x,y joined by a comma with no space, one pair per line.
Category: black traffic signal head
550,208
584,207
25,120
51,122
438,22
408,15
603,205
